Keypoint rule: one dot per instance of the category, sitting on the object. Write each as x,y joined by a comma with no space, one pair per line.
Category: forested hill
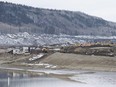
16,18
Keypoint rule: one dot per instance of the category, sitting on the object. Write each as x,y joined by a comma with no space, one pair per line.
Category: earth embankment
75,61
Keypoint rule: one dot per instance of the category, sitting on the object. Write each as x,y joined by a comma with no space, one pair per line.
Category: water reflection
97,79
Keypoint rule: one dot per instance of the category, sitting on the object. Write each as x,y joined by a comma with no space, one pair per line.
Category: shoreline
67,61
82,62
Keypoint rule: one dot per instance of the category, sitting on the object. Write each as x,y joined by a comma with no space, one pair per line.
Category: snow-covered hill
46,39
19,18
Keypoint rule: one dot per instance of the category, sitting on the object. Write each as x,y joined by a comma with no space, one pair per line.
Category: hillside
18,18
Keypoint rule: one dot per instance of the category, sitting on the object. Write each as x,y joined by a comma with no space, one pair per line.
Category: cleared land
75,61
61,61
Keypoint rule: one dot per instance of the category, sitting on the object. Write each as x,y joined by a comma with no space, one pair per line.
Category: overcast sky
101,8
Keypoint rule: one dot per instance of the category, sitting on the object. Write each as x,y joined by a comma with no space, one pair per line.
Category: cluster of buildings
32,49
53,48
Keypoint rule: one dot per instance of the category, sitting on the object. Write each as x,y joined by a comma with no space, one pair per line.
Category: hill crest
16,18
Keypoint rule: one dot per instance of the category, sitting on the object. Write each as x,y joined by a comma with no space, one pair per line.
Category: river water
75,79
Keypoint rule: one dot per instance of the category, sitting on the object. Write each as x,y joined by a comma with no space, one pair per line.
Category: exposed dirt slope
75,61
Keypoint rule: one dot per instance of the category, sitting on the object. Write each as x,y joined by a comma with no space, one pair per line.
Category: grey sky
100,8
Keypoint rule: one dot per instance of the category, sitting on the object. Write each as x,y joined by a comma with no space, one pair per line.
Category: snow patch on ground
46,39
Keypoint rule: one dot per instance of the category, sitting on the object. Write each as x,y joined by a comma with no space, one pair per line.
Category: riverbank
63,61
83,62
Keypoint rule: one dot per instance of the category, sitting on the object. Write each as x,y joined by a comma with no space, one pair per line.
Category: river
58,78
